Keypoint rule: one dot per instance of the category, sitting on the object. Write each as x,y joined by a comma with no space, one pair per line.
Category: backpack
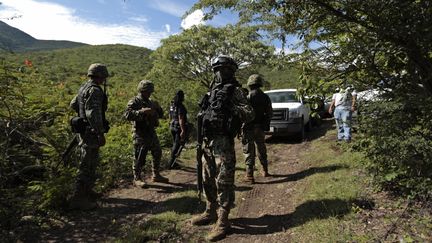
345,97
218,118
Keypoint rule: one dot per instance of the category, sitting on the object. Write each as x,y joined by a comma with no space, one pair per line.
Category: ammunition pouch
218,118
78,124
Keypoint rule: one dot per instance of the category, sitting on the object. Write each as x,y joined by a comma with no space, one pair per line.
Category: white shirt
337,97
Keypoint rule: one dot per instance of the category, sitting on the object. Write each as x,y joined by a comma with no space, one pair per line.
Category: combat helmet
145,85
224,61
255,80
97,70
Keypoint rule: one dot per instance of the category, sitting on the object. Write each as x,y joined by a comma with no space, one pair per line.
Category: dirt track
262,212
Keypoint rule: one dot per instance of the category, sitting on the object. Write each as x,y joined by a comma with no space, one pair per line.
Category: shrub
397,138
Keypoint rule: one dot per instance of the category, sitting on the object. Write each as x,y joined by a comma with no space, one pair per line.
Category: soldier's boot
221,227
265,172
137,181
209,216
81,201
94,195
158,178
249,175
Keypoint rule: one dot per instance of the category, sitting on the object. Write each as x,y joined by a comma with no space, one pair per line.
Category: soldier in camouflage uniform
253,132
223,110
144,115
90,104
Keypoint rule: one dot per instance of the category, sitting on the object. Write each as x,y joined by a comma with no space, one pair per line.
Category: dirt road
262,212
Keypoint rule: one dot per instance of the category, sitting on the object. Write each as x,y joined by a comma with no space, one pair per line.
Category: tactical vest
259,102
82,100
148,124
218,115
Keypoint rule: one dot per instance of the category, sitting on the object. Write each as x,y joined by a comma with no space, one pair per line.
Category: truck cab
290,113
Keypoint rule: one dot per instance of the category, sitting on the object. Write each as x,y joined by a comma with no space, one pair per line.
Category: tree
380,44
366,40
187,56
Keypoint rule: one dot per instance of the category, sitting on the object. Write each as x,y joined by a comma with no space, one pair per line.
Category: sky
135,22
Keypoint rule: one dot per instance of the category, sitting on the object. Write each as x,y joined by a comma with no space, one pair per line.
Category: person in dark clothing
178,126
254,131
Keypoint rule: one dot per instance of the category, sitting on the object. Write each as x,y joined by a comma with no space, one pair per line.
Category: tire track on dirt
263,213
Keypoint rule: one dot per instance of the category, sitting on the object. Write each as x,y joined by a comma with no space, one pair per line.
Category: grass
350,208
337,206
334,195
167,225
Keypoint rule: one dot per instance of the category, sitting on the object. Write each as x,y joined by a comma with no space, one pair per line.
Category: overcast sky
135,22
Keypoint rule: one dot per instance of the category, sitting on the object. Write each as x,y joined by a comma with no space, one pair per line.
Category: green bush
397,138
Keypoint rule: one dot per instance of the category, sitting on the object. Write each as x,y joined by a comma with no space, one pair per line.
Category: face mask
223,75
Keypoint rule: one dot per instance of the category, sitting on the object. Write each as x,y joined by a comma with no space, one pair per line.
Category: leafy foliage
187,56
401,147
372,44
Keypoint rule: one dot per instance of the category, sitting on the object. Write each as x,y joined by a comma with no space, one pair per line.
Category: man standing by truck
253,132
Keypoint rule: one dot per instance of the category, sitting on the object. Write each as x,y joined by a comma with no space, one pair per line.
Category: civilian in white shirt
344,104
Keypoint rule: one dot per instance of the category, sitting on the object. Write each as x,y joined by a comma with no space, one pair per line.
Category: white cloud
168,28
195,18
169,7
50,21
142,19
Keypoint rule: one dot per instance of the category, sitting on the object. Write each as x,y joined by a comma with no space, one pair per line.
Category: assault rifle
199,154
72,144
182,144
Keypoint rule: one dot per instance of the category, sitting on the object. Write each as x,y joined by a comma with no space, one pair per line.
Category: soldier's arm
242,107
158,109
134,112
93,110
269,108
74,104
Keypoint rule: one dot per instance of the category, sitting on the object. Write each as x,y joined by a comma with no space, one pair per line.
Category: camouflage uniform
90,104
253,132
144,133
219,154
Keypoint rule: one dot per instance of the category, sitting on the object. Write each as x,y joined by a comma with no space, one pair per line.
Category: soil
252,220
263,211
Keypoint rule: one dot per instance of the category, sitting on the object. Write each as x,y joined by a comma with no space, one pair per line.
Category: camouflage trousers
89,160
142,146
252,137
218,171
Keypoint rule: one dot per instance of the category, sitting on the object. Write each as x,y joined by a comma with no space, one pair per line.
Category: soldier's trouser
142,147
252,138
89,160
218,171
176,145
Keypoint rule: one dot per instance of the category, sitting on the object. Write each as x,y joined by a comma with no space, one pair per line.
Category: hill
15,40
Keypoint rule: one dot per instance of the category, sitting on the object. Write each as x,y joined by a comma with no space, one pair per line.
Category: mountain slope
13,39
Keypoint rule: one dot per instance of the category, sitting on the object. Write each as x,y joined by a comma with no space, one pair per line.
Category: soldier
223,111
144,114
91,104
178,127
253,132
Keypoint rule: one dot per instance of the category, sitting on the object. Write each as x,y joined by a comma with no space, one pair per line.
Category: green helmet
98,70
224,61
255,79
145,85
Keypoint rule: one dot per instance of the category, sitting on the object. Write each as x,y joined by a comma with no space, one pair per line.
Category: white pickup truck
290,114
